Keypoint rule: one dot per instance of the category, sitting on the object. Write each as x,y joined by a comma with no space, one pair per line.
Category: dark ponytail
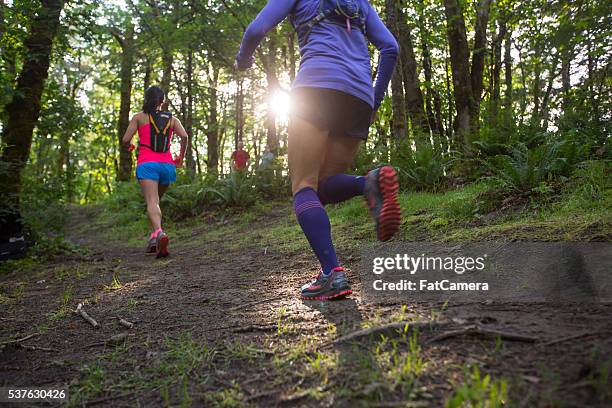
153,97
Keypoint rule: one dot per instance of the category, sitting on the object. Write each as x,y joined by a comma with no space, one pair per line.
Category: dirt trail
219,325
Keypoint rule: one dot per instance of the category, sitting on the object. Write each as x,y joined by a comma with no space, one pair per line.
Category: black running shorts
342,114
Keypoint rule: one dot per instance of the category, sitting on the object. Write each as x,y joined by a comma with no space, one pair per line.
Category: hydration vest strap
324,15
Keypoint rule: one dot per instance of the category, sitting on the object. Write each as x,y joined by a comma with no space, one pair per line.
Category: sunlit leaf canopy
539,57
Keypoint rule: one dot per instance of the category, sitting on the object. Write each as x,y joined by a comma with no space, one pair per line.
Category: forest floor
220,323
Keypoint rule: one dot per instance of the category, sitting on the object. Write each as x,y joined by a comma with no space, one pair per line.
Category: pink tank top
146,155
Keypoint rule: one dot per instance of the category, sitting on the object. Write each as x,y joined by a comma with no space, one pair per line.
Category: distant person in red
240,158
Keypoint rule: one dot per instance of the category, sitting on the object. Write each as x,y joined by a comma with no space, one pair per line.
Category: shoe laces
318,275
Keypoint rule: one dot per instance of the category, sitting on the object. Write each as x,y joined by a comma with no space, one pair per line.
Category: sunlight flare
280,102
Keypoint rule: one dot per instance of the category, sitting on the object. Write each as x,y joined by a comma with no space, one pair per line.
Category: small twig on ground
6,343
125,323
252,328
85,316
390,329
477,330
257,302
37,348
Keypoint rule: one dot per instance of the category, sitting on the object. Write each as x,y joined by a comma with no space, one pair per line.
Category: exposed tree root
9,342
480,331
389,330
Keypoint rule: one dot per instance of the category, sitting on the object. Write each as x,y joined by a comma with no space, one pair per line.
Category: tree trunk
478,59
147,73
508,72
496,70
190,162
433,104
2,24
167,59
413,97
22,114
212,131
291,51
272,80
398,124
124,172
566,85
552,75
537,85
449,100
459,57
239,131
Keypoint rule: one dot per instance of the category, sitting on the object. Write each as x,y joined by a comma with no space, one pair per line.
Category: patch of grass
185,361
64,306
479,391
322,365
226,398
400,360
114,285
76,271
19,266
282,321
91,385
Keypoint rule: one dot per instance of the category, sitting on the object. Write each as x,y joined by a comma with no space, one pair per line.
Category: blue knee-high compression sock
340,187
315,223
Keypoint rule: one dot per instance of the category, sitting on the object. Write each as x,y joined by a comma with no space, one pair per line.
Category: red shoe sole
332,297
162,251
391,213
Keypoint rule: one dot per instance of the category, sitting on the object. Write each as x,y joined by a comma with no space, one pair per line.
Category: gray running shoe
152,246
332,286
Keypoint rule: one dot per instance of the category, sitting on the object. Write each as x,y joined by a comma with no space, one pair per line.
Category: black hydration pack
160,132
345,13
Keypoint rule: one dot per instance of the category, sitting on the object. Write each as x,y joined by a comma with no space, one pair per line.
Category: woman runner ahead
333,105
156,168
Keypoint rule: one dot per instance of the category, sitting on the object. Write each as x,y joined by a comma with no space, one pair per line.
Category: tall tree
126,41
23,112
433,103
478,59
398,123
459,57
508,71
467,83
273,87
496,67
2,18
212,131
413,96
239,134
190,162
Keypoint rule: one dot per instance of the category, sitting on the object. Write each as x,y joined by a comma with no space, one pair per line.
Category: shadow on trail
356,363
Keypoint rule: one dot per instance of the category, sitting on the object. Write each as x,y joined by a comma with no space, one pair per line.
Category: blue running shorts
163,173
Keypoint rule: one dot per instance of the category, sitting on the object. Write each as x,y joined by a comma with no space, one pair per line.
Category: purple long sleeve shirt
333,56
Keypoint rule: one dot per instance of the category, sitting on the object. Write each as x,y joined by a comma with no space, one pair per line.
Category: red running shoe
381,197
162,245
